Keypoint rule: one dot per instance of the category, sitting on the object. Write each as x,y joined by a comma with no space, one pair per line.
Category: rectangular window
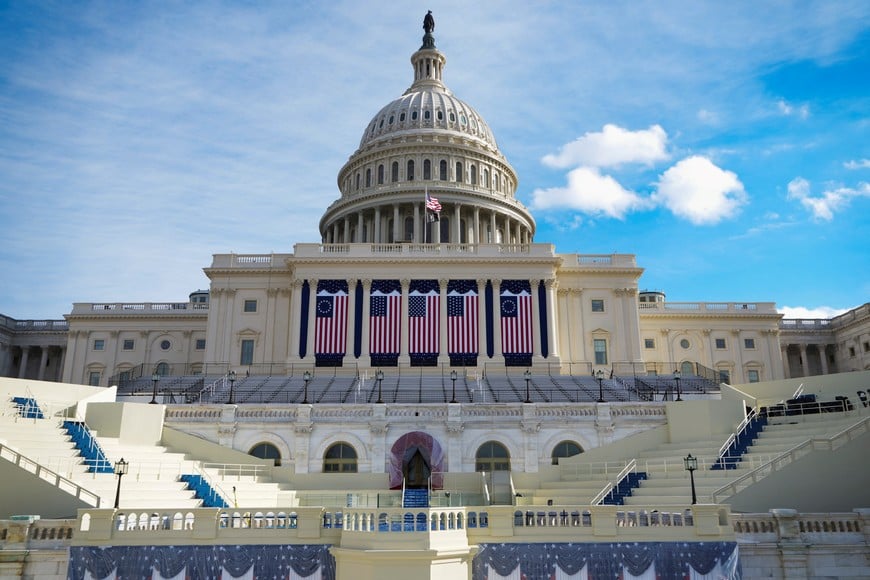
720,343
851,351
753,376
867,347
649,343
250,305
725,377
123,377
99,344
598,306
749,343
600,346
94,378
247,357
128,344
200,344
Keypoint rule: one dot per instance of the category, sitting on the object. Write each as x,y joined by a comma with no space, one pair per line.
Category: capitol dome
427,142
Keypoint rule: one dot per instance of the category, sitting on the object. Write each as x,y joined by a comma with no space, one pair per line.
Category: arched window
162,369
459,172
357,181
473,170
409,174
427,115
565,449
368,177
492,456
427,169
339,458
380,174
442,170
495,181
485,177
394,172
266,451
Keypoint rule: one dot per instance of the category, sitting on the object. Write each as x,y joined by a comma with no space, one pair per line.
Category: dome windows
440,115
452,117
413,115
410,170
462,120
442,170
380,174
459,177
368,177
394,172
427,169
402,118
390,122
381,124
427,115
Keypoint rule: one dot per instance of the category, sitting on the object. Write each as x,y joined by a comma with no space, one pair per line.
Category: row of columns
803,368
10,368
374,223
443,358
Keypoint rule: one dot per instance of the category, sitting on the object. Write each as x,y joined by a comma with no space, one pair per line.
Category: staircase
415,497
736,445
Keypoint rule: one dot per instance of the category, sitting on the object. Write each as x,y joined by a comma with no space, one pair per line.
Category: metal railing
49,476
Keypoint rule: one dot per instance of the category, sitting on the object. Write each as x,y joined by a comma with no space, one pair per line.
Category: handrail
485,487
50,476
798,392
198,469
787,458
629,467
740,429
403,491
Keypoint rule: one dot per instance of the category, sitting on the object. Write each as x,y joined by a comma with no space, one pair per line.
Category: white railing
629,467
49,476
740,428
788,457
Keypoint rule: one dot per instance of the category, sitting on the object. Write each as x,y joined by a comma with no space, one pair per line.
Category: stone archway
415,457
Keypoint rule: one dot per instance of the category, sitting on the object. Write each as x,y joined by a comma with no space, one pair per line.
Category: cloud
708,117
589,192
788,110
697,190
830,202
611,147
857,164
818,312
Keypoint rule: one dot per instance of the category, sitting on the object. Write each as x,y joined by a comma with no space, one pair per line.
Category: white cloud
612,146
818,312
699,191
590,192
708,117
830,202
802,111
857,164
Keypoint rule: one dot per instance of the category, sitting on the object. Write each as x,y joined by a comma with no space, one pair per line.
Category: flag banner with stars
330,310
424,304
516,317
215,561
545,561
385,317
462,317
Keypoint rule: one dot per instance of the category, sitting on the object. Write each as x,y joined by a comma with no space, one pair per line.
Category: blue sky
723,143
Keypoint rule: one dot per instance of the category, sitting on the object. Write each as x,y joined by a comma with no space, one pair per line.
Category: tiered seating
88,447
203,491
28,408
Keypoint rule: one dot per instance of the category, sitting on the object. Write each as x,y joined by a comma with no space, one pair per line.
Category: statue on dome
429,22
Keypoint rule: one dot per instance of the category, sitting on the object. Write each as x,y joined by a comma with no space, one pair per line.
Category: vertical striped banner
424,304
462,317
516,317
385,317
330,332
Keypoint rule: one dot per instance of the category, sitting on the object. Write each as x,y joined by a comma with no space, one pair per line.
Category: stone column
302,430
60,364
476,234
417,229
378,428
738,358
443,357
312,313
823,359
507,230
497,355
358,238
365,349
43,360
22,368
455,426
481,321
404,357
531,427
785,362
295,318
805,362
552,287
536,323
492,228
457,226
346,234
396,230
377,239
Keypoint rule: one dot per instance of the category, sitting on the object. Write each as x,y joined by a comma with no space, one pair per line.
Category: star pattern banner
516,320
424,305
463,342
330,311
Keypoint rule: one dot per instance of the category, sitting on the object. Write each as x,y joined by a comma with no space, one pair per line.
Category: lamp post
306,377
599,374
528,376
155,378
231,376
677,377
380,378
691,464
121,468
453,378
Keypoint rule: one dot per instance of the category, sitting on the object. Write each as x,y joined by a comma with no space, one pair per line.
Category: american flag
385,317
331,315
516,317
424,303
462,305
432,203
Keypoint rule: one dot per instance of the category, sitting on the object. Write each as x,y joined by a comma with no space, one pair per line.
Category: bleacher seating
87,445
415,497
742,440
203,490
28,408
624,488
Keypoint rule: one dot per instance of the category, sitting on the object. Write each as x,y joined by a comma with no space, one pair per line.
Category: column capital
367,284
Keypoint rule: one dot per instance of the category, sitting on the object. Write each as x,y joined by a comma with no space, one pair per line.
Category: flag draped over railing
385,322
516,322
462,322
330,332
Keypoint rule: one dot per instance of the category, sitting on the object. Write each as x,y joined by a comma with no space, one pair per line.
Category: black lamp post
231,376
453,378
121,468
306,377
677,377
380,378
155,378
528,377
691,464
599,374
